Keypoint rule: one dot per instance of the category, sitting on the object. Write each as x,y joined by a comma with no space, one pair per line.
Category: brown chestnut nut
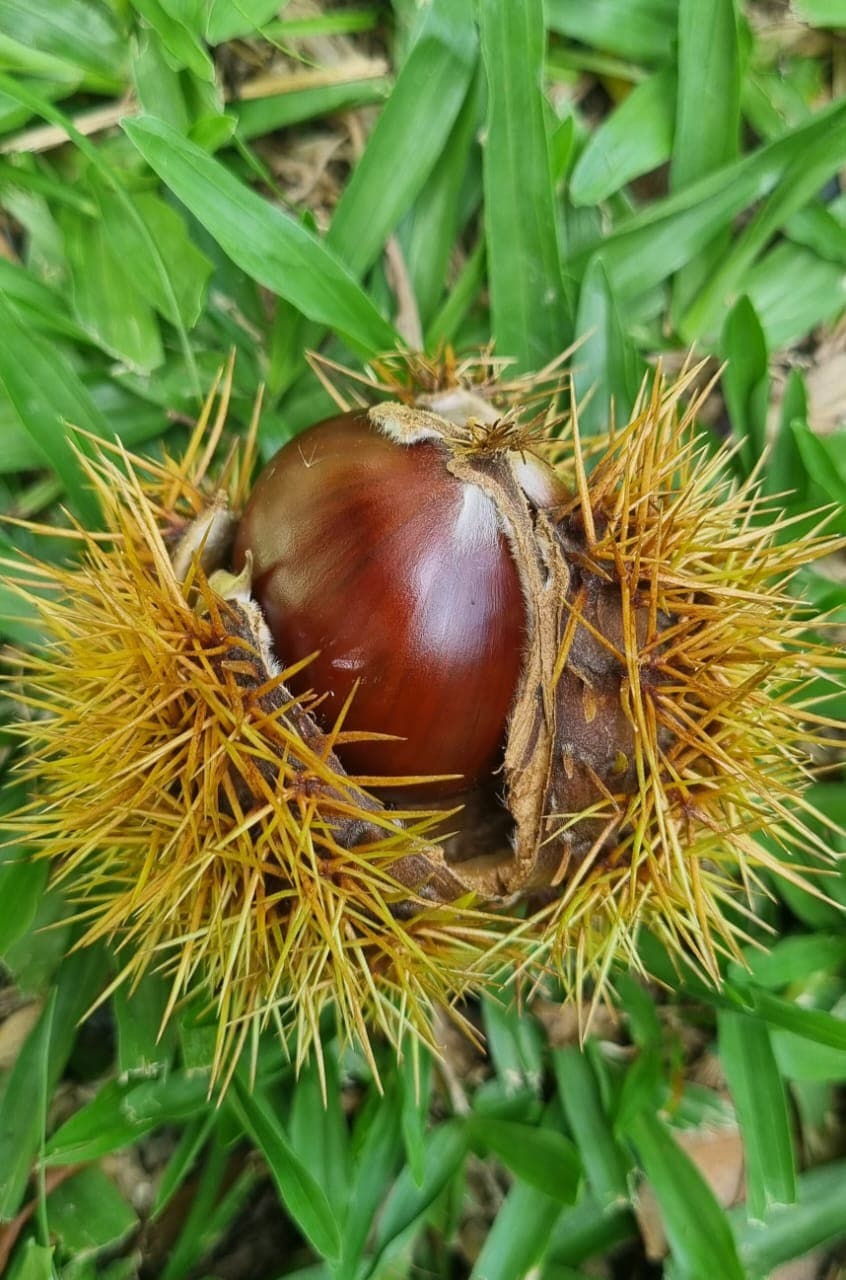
397,575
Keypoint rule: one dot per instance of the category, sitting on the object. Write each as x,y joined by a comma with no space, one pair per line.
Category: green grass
634,176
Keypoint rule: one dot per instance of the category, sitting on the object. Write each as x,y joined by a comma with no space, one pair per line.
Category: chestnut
396,575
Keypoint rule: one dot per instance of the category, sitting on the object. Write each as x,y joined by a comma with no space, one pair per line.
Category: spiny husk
197,814
684,711
659,743
656,756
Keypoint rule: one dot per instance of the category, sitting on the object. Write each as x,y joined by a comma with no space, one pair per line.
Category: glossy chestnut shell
398,575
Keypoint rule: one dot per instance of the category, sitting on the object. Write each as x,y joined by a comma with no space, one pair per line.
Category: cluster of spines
191,822
714,691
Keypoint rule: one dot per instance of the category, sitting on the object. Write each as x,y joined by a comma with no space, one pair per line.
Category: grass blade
430,229
606,363
407,1201
52,115
643,30
379,1135
605,1164
590,1228
636,138
794,290
649,246
80,34
709,74
757,1090
698,1231
107,302
816,1219
530,311
318,1131
806,172
415,1075
41,1061
814,1024
122,1112
88,1213
707,129
520,1235
48,395
301,1194
258,116
746,381
269,245
537,1154
412,131
33,1262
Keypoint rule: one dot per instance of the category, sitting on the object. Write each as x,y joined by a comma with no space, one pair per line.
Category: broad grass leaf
605,1163
428,232
649,246
634,139
816,1025
122,1112
536,1154
699,1233
180,43
106,300
144,1045
188,270
606,363
226,19
803,176
789,1232
33,1262
258,116
746,379
301,1194
88,1213
47,395
409,136
408,1201
643,30
520,1235
415,1075
515,1045
758,1092
377,1148
38,1069
269,245
318,1130
707,119
531,313
82,34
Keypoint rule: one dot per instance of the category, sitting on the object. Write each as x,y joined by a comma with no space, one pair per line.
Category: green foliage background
639,176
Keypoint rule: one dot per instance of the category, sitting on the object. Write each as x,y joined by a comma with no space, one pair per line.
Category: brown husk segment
568,732
529,765
552,762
